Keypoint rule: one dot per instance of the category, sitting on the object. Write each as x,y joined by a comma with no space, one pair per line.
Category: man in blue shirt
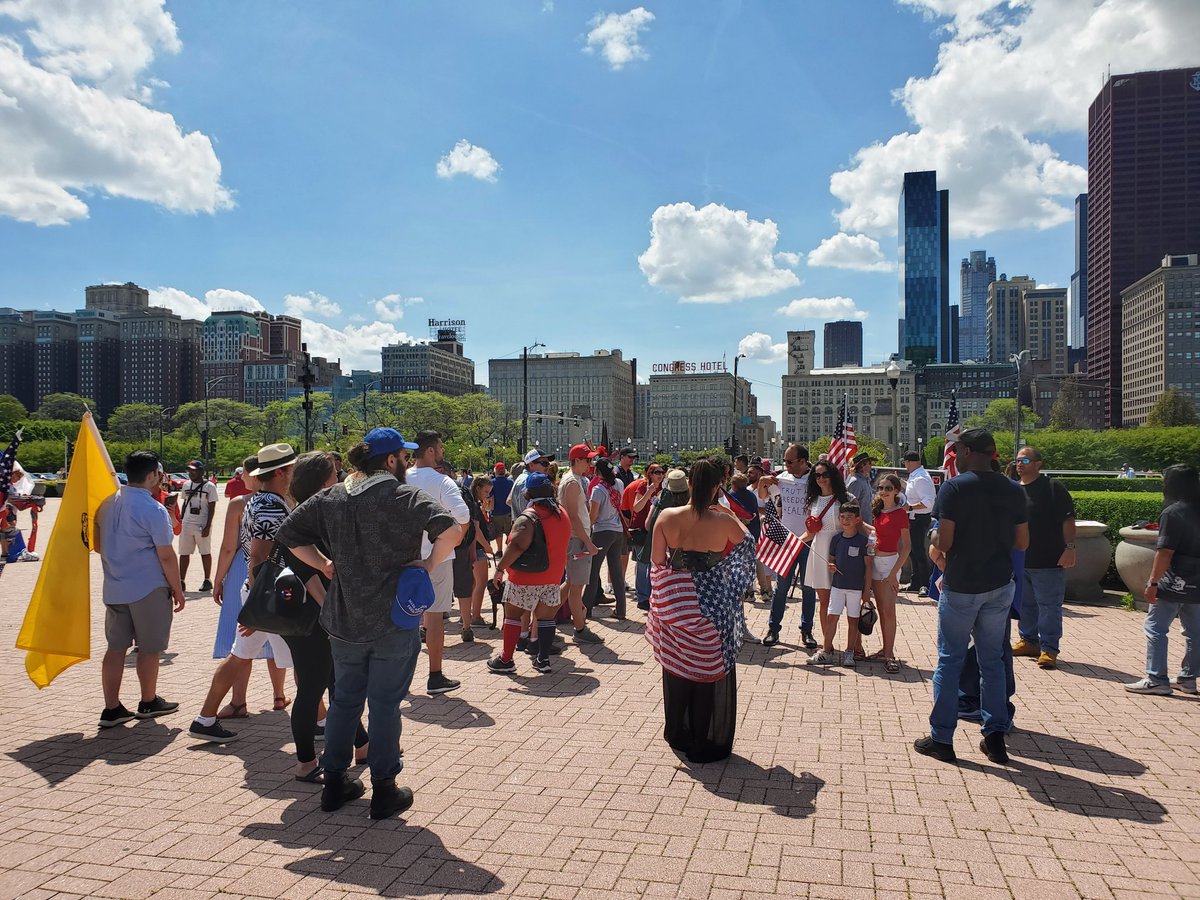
502,518
142,590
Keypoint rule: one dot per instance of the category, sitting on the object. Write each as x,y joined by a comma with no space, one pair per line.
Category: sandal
316,776
234,711
892,666
878,654
281,703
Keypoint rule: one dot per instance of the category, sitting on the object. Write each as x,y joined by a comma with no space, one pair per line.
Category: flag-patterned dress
696,621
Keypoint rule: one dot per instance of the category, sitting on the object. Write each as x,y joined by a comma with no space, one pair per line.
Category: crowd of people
387,549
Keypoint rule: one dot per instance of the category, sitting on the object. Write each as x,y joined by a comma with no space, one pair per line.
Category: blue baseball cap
387,440
537,480
414,595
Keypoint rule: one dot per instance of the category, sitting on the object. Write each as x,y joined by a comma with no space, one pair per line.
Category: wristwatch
1071,545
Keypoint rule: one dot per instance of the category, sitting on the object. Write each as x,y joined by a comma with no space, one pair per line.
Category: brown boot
1048,660
1024,648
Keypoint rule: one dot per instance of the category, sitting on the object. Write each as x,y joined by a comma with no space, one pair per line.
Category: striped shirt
696,622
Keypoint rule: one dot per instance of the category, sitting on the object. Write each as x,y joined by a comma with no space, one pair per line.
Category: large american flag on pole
777,547
953,432
844,444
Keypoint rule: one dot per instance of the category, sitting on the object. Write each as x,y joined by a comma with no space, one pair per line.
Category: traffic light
577,421
562,419
212,448
324,428
539,415
345,430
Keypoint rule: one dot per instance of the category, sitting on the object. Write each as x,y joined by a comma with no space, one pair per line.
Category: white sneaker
28,556
1146,686
848,659
821,658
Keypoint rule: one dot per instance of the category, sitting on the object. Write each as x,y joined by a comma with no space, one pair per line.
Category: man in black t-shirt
1051,552
981,518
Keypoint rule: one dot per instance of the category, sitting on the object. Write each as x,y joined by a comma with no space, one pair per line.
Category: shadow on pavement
1091,670
567,680
1061,751
1076,796
447,711
412,861
743,781
65,755
602,655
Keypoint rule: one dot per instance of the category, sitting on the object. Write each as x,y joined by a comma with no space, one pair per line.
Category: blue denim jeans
1158,621
1041,607
378,672
808,597
969,682
959,617
643,584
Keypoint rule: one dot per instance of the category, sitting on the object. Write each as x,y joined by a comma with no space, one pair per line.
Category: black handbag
278,603
867,618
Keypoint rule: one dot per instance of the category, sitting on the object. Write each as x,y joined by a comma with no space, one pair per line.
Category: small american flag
844,444
953,432
777,547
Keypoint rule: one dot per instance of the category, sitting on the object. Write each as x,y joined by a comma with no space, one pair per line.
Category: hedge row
1109,484
1116,510
1106,451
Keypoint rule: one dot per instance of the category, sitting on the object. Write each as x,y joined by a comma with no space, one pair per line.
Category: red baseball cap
499,467
581,451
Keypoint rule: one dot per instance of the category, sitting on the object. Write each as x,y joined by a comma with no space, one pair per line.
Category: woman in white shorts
892,547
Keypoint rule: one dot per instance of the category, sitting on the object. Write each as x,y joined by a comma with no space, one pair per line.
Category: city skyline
337,192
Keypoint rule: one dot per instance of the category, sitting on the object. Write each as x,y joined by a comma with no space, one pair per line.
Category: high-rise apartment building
16,355
812,404
160,358
116,298
802,352
1077,305
284,338
977,271
55,354
701,411
1005,316
1143,200
229,340
1044,314
597,389
100,357
1161,341
439,366
843,344
924,255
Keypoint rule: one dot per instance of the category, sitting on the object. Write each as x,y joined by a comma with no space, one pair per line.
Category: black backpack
536,557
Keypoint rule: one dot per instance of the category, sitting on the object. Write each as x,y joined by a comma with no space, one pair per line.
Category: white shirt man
198,505
919,494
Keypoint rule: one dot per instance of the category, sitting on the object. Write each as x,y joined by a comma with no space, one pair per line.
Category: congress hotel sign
685,367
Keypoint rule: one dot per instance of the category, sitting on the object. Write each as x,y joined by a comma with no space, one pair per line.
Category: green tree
64,406
1066,414
227,418
1172,409
1001,415
12,409
881,454
134,422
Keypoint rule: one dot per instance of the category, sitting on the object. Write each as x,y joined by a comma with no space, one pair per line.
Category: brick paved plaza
561,785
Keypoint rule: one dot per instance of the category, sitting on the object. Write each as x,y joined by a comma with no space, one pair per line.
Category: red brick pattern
561,786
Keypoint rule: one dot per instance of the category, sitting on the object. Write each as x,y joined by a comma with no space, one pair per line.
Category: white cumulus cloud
827,308
759,346
1010,75
357,346
224,299
75,119
616,36
311,304
390,307
713,254
216,300
468,159
850,251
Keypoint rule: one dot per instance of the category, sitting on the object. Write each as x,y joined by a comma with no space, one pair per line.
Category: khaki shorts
529,596
191,540
579,571
443,587
501,525
147,620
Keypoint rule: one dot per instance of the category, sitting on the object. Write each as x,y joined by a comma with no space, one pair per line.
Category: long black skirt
700,716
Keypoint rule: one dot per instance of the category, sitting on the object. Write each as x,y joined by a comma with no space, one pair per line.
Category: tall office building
977,271
229,340
116,298
100,357
1077,312
843,344
1044,314
1005,316
924,254
812,404
1143,201
700,411
802,352
417,366
1161,341
596,389
160,358
55,354
16,355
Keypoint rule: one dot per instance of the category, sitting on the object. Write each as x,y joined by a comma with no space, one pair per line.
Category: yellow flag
56,632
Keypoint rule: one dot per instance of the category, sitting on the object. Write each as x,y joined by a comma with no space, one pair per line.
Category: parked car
177,480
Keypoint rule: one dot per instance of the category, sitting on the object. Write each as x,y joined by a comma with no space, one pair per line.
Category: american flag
844,444
777,547
953,432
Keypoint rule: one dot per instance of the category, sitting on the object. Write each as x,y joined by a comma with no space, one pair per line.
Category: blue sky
676,179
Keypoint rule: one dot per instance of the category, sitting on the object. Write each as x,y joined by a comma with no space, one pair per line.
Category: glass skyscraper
924,254
975,274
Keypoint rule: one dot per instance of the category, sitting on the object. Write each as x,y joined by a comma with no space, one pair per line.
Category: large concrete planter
1093,552
1135,558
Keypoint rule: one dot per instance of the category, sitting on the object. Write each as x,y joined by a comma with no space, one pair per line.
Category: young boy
851,587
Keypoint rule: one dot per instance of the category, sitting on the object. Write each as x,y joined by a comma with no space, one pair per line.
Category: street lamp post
204,445
525,396
733,448
1020,360
162,415
893,377
307,379
366,388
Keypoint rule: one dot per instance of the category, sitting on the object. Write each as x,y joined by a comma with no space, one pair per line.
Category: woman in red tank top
892,548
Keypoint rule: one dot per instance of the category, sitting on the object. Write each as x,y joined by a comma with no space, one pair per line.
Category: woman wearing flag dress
702,561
